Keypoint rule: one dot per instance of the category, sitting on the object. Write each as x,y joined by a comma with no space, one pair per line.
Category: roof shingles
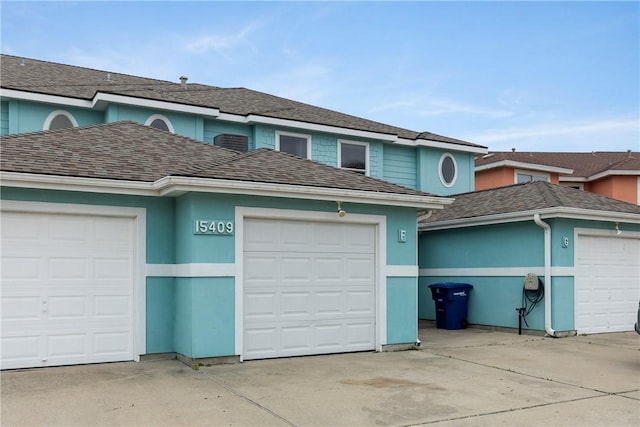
133,152
84,83
530,196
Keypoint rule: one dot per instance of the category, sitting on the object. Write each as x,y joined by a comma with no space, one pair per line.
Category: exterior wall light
341,212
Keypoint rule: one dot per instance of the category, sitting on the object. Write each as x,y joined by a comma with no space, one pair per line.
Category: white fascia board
172,186
570,213
600,175
612,173
168,185
449,146
253,118
70,183
102,99
48,99
523,165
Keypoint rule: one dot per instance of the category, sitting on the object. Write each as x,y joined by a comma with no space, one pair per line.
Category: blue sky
537,76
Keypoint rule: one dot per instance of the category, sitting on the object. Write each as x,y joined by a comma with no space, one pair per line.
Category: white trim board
191,270
494,271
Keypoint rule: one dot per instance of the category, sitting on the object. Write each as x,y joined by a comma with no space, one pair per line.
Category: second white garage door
607,283
309,288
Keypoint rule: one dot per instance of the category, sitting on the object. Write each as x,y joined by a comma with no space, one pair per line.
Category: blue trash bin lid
451,285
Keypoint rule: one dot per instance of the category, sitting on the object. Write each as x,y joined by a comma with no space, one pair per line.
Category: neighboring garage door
309,288
67,289
607,283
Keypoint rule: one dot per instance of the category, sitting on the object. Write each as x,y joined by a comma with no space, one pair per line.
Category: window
528,177
448,170
59,120
354,156
298,145
158,121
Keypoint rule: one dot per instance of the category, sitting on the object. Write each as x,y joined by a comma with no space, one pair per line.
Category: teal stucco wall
195,316
490,251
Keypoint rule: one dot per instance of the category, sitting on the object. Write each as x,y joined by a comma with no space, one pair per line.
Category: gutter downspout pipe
547,274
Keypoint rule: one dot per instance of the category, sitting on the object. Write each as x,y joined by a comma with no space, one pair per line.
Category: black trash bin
451,304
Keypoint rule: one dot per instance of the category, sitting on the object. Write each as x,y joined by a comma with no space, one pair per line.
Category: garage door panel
21,308
295,269
296,339
318,284
112,268
65,285
607,283
260,306
296,305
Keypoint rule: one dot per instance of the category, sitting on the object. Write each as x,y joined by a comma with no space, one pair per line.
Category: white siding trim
380,221
140,253
402,271
495,271
191,270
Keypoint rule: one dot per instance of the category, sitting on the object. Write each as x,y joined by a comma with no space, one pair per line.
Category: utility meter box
531,282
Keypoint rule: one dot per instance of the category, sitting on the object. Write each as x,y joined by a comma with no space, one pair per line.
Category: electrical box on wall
531,282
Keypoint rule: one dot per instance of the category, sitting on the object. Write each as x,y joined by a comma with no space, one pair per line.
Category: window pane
293,145
60,122
523,178
353,156
448,170
159,124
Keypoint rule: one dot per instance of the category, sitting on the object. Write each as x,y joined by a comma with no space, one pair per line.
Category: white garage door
67,289
309,288
607,283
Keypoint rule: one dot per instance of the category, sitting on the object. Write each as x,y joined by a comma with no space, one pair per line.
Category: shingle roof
133,152
584,165
83,83
525,197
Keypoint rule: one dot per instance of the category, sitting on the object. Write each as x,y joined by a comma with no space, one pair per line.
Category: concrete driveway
470,377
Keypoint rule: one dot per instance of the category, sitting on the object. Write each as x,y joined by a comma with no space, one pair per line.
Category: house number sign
213,227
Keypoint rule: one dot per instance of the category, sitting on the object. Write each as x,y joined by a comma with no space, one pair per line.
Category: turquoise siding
4,118
400,165
213,128
428,178
507,245
25,116
160,316
205,323
402,325
492,301
183,124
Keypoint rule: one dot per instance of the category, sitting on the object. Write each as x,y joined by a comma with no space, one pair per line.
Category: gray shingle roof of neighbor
50,78
584,165
525,197
133,152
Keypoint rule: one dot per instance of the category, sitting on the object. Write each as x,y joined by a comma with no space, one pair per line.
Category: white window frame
297,135
153,117
56,113
366,155
455,170
517,172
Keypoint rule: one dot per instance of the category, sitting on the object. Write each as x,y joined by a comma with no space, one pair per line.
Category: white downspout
547,274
